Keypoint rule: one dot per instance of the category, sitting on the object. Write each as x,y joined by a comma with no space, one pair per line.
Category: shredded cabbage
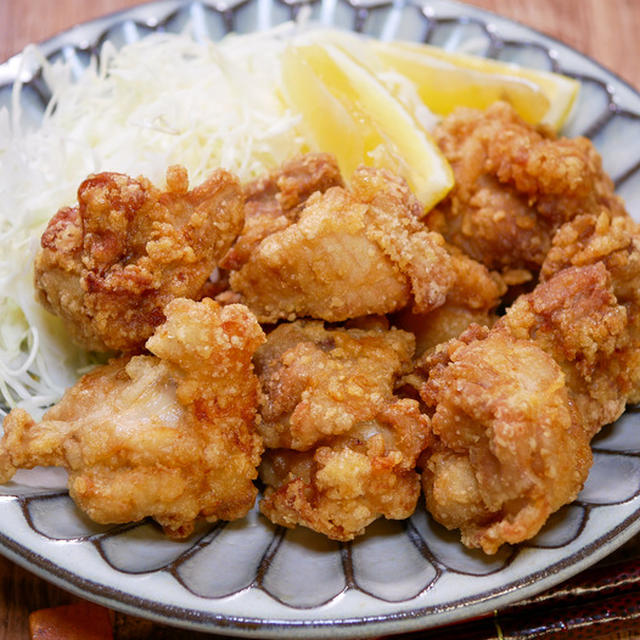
160,101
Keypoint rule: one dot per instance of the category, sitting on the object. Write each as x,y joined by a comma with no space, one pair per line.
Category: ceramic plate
251,578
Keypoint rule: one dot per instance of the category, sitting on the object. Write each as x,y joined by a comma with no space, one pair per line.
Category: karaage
351,252
341,448
508,447
110,265
170,435
525,398
614,242
472,298
274,201
497,413
514,186
576,318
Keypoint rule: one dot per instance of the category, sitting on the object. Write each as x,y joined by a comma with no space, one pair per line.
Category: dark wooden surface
607,30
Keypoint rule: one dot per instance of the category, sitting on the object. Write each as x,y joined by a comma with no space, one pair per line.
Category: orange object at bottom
81,621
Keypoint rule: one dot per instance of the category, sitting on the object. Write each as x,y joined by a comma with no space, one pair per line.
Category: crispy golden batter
342,448
274,201
110,265
576,318
171,435
515,185
472,298
562,354
350,253
614,242
440,325
319,383
509,449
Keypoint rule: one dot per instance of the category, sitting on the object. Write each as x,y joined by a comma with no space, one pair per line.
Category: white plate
250,578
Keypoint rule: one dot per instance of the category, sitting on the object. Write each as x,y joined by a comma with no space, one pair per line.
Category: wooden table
606,30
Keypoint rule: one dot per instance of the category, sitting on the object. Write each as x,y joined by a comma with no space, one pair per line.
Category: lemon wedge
350,113
446,80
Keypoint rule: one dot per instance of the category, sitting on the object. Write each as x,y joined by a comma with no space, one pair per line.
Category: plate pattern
251,577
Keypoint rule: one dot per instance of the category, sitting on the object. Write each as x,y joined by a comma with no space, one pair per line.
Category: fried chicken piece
576,318
472,298
110,265
351,253
509,449
563,350
441,325
170,435
274,201
514,186
616,243
342,448
319,383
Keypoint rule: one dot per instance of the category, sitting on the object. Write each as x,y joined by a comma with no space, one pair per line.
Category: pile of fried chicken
342,344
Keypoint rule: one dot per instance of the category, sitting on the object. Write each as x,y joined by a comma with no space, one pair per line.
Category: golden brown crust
110,265
550,373
322,266
509,449
171,435
274,201
613,242
341,447
515,185
576,318
353,252
473,297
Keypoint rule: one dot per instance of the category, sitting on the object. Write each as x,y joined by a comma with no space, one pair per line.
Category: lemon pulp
446,80
351,114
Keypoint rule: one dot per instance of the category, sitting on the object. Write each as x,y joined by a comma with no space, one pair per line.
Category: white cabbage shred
160,101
